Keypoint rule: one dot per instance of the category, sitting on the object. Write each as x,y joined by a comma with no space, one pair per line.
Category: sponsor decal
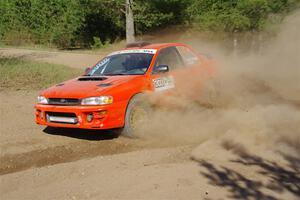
163,83
149,51
99,64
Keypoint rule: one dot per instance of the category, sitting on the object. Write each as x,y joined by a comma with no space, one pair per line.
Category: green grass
19,74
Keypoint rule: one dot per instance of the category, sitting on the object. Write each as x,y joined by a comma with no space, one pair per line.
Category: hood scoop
92,78
104,84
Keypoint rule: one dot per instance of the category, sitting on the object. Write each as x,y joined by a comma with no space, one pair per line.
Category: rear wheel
137,117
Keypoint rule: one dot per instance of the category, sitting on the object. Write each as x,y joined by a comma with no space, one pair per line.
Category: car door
166,57
196,62
197,74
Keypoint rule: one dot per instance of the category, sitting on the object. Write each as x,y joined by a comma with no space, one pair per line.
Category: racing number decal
163,83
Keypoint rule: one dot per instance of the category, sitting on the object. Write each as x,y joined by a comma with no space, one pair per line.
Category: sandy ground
39,163
71,59
165,173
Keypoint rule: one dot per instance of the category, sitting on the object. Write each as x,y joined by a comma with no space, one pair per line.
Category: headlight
42,100
102,100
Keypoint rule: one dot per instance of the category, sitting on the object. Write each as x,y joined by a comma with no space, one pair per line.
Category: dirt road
165,173
68,58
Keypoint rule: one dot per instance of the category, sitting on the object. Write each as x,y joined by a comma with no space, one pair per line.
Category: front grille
64,101
63,118
61,114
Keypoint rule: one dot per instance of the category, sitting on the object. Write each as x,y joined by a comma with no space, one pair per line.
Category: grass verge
19,74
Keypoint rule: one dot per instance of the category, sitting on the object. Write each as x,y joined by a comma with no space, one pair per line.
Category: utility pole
129,22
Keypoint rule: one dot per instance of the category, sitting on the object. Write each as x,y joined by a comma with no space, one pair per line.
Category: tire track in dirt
61,154
69,153
91,145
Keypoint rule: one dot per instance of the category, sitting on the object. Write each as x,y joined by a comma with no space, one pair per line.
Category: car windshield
122,64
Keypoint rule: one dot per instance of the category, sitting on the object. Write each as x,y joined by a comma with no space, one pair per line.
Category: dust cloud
257,102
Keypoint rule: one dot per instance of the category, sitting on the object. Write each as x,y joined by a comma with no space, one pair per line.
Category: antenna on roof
138,44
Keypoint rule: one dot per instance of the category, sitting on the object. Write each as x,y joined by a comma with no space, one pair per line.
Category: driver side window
169,56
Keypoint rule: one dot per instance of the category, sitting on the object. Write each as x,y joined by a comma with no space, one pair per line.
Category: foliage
78,23
97,43
16,73
235,15
152,14
103,19
39,21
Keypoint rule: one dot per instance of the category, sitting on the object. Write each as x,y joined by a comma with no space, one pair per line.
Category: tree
129,22
82,23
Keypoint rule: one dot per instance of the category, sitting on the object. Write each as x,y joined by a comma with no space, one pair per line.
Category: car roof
156,46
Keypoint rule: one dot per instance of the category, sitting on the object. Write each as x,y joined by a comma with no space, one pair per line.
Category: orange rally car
108,95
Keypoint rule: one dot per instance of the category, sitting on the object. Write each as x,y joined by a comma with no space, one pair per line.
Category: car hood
83,87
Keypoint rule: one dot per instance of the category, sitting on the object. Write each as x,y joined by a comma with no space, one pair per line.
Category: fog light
89,117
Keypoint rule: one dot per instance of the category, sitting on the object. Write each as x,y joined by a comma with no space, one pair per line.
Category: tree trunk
129,22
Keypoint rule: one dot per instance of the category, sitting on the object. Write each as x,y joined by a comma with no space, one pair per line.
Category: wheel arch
130,99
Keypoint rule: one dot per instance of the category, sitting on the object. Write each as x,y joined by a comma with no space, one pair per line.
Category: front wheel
137,117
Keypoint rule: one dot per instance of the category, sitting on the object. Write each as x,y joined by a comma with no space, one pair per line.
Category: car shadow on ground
279,178
92,135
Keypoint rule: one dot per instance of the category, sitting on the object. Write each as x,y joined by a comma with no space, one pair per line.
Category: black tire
137,117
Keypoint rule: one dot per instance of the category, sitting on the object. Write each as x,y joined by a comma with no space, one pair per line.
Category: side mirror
161,69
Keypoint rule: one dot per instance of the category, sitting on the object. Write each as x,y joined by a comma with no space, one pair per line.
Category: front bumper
104,117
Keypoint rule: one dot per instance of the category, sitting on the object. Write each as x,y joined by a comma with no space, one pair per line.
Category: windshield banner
149,51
